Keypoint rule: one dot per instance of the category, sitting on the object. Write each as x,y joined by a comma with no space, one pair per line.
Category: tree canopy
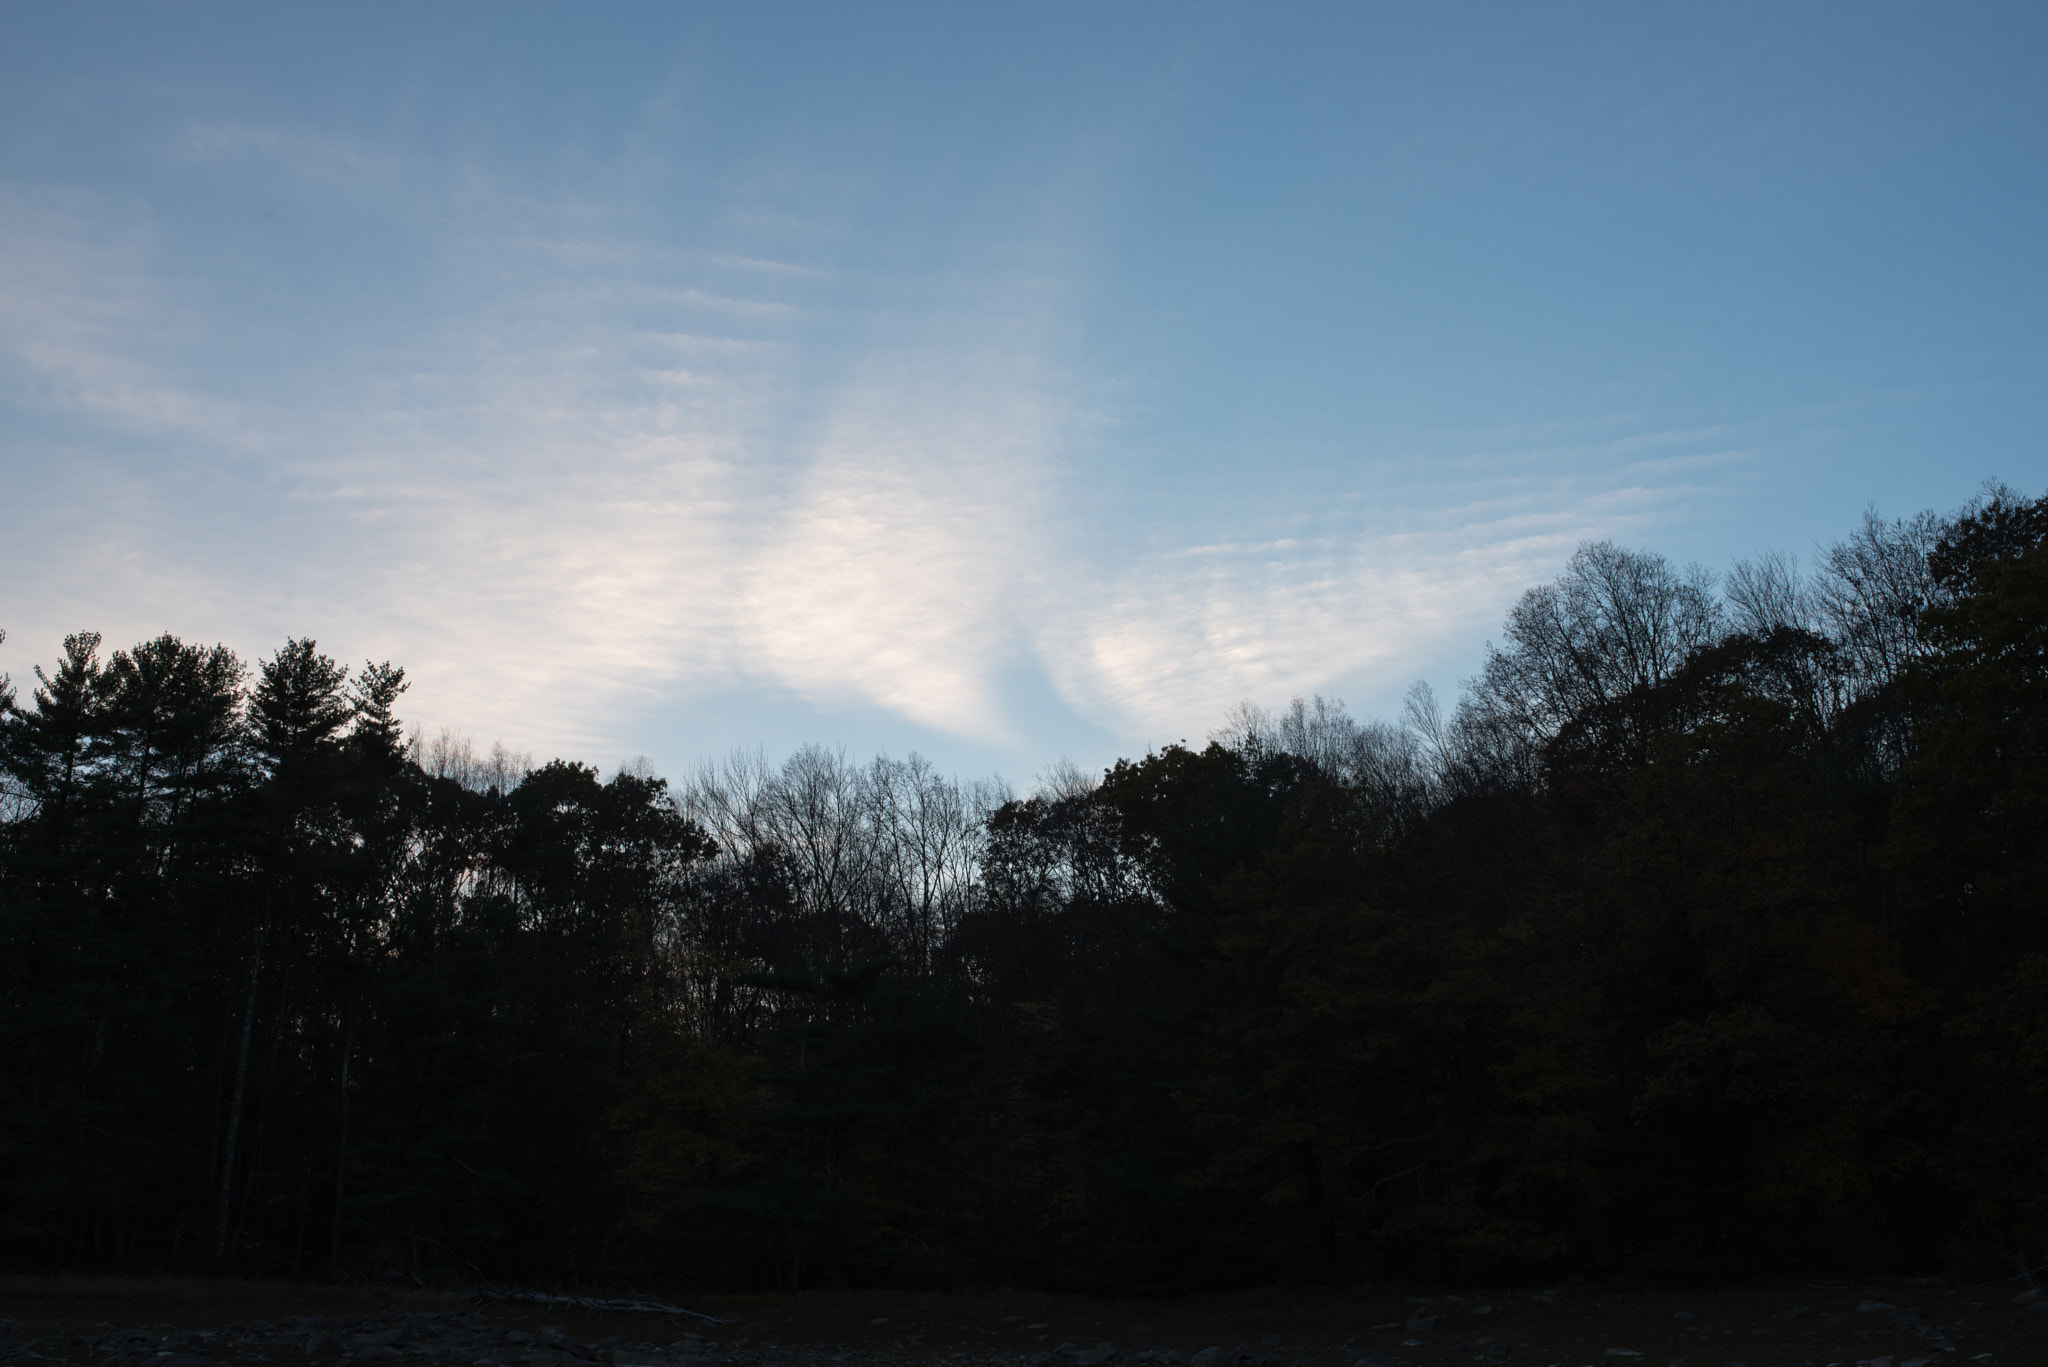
1703,935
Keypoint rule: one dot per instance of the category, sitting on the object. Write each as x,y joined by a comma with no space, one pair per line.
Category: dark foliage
1705,936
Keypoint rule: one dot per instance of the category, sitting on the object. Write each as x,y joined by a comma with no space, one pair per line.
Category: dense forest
1703,935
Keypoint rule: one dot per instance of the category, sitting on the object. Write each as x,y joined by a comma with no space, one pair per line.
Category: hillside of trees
1704,935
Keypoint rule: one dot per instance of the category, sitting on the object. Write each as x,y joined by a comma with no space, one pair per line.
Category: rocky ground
1937,1328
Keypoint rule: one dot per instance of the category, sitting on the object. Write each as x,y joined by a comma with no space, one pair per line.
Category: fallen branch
593,1304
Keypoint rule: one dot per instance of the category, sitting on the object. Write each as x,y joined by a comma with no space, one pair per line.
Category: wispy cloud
1178,636
771,307
755,263
303,152
904,566
559,525
77,290
640,476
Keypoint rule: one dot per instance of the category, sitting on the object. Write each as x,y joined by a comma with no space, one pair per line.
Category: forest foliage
1704,935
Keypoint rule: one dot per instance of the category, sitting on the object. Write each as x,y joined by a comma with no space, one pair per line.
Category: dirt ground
1756,1326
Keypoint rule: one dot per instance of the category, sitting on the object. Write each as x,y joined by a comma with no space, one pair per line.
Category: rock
1094,1357
1377,1360
1423,1324
1911,1316
1876,1362
1211,1357
1684,1316
2032,1293
322,1341
1798,1312
1876,1305
2036,1306
1621,1353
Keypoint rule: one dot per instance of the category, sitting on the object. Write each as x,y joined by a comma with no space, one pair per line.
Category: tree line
1702,935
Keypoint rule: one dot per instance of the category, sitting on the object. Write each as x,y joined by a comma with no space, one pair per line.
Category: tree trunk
227,1165
305,1205
348,1040
241,1212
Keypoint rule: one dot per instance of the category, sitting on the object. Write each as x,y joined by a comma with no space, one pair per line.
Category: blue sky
998,382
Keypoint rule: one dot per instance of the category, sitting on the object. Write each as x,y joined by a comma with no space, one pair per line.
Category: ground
180,1322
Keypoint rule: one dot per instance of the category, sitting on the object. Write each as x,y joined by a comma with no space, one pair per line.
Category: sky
1003,383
